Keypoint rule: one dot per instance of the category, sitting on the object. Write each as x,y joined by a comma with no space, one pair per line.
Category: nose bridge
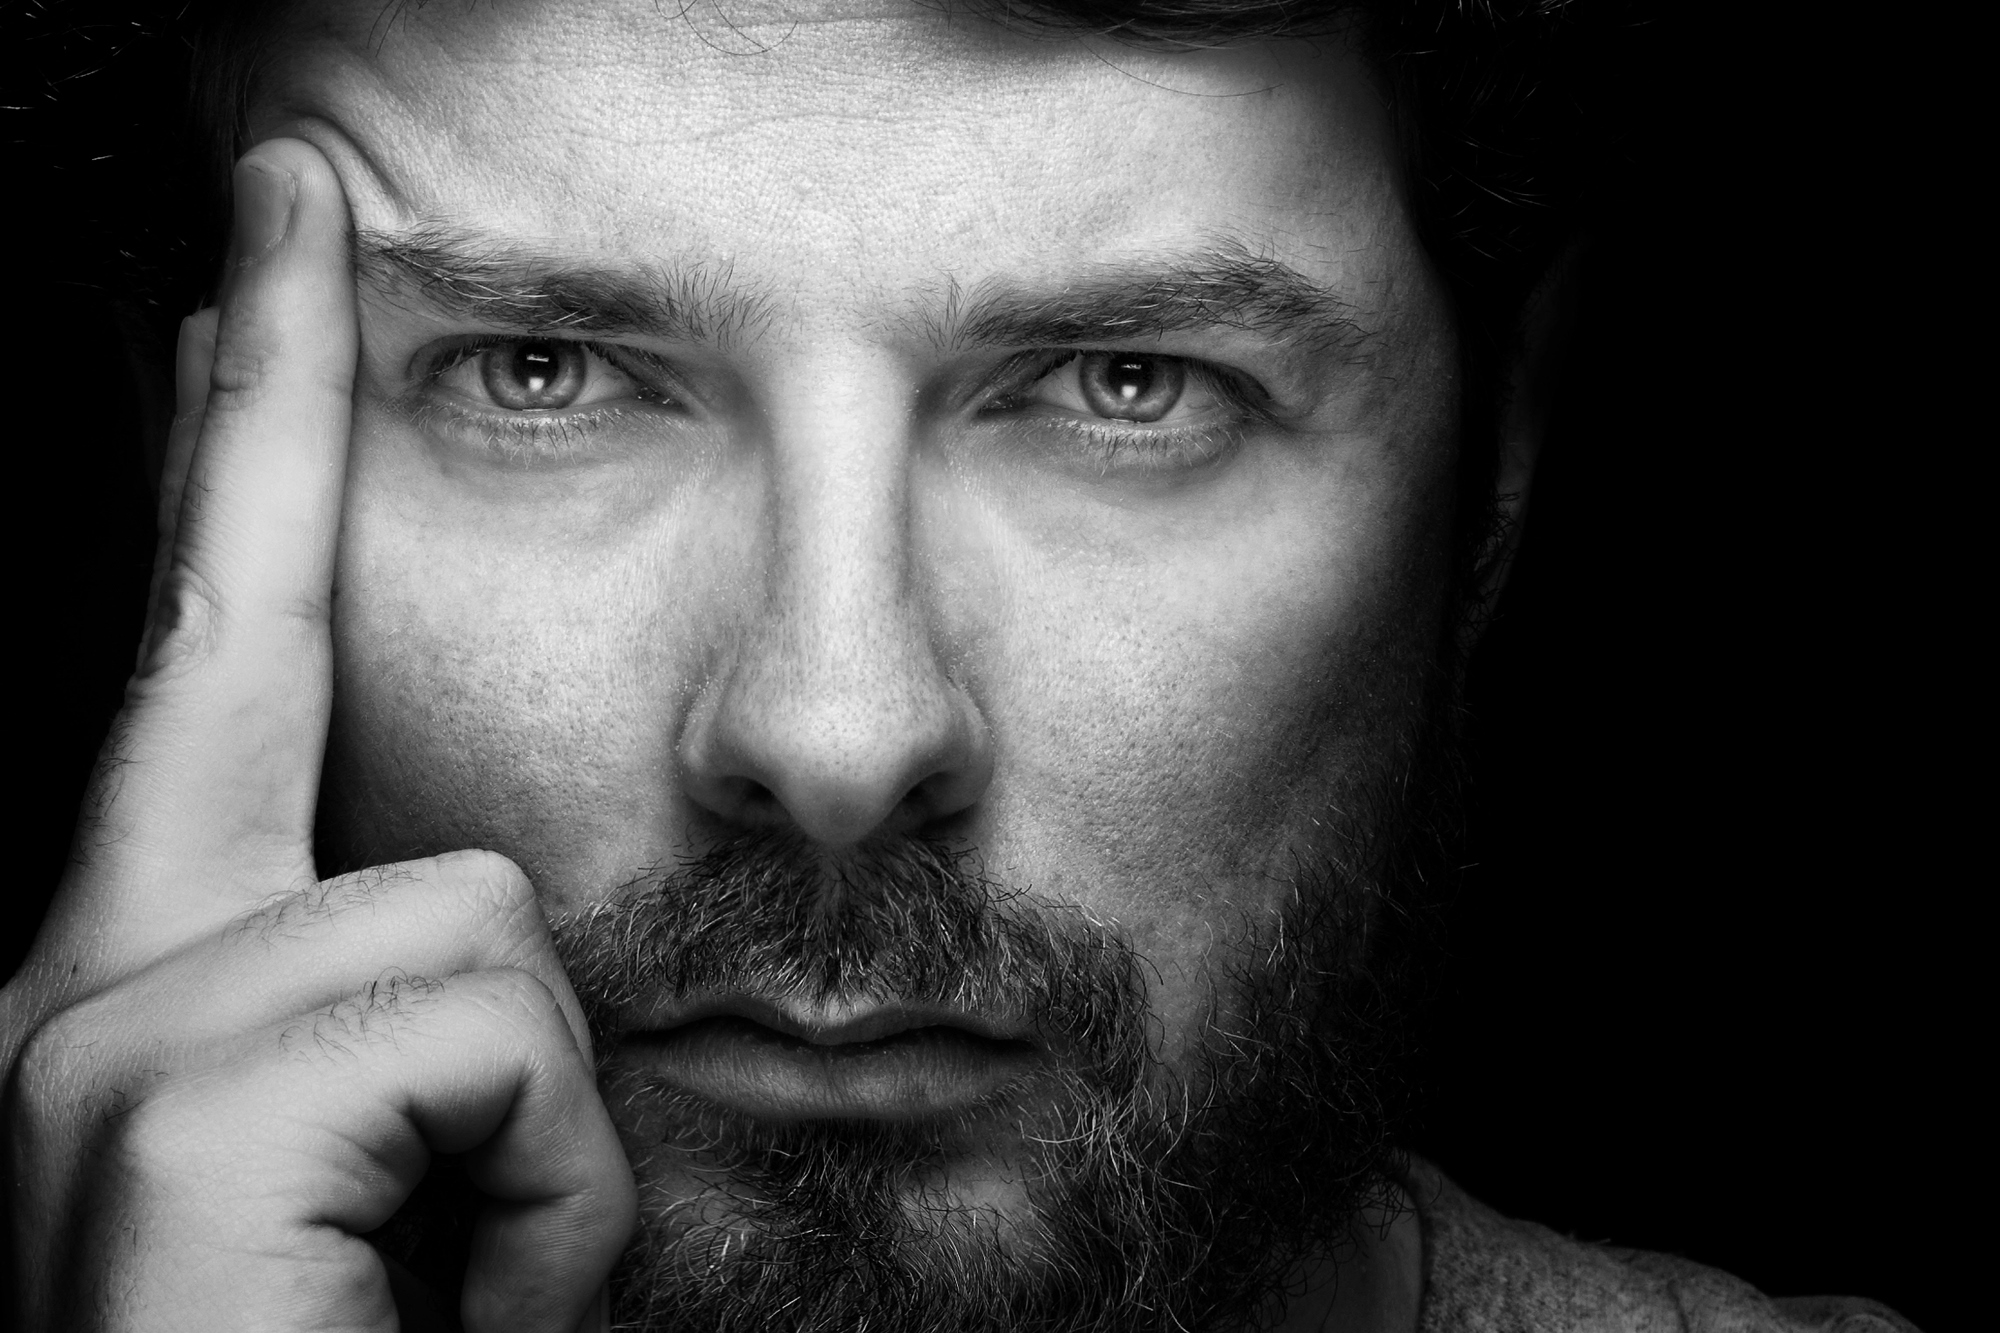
834,714
839,620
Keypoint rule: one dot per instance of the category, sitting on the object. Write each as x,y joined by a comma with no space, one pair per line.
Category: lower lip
747,1067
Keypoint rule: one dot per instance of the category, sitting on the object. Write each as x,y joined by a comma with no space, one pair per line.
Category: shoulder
1484,1273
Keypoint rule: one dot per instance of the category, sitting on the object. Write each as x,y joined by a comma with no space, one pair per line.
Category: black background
1710,957
1707,960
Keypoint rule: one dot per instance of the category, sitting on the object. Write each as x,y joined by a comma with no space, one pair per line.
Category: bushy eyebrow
506,285
1218,287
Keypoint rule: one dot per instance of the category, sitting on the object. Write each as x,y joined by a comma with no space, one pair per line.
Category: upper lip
825,1024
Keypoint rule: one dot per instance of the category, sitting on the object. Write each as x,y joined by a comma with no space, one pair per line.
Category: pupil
1130,378
535,366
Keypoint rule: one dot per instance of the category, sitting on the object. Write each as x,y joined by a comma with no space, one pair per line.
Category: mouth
882,1064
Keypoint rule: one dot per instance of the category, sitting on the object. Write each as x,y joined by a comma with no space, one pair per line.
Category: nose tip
837,761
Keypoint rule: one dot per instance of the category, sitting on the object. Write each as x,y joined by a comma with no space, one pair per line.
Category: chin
913,1222
1029,1213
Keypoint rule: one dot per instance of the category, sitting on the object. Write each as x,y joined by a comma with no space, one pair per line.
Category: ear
1529,377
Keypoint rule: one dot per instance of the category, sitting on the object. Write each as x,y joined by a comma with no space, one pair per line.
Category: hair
1511,115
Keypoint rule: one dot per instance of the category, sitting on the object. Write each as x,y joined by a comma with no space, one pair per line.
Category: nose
831,713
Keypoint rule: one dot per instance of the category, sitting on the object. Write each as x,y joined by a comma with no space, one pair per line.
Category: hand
224,1071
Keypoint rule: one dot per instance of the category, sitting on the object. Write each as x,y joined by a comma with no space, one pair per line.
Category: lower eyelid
553,434
1180,447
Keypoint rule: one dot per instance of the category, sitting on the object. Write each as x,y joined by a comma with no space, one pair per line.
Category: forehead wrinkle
507,283
1219,286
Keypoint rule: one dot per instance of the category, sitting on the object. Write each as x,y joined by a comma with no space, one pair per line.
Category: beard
1178,1195
1154,1198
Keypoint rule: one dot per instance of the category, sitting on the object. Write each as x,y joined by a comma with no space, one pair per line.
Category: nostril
958,778
759,802
741,799
836,755
938,796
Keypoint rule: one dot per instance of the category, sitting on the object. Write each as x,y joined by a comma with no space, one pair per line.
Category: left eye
1130,389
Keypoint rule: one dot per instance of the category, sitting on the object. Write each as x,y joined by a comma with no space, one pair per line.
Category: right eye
526,376
539,375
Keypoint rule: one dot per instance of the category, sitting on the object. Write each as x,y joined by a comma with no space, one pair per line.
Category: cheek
1175,792
508,672
1181,706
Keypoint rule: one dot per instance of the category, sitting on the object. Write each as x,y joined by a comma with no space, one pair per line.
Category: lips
883,1064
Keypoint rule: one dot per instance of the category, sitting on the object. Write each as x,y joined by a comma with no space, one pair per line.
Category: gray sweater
1484,1273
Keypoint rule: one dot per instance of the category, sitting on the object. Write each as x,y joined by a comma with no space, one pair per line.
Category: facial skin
833,542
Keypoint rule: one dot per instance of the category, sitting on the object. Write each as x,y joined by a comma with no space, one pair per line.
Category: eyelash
1185,446
518,434
521,435
1248,402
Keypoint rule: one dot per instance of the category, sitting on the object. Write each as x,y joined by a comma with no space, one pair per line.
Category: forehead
829,138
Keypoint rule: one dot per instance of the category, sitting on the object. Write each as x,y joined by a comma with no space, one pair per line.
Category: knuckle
266,350
244,362
187,614
73,1042
518,998
380,1013
296,912
52,1065
82,1071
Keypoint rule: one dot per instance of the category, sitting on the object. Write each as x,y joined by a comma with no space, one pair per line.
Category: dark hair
1510,113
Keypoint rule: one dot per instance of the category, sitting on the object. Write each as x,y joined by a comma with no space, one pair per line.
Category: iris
1130,387
530,375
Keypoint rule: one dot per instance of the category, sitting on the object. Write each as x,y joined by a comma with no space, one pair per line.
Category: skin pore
835,536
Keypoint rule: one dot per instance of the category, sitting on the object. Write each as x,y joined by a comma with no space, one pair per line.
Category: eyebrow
1218,286
496,282
505,284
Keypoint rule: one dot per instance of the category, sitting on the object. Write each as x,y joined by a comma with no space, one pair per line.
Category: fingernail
265,193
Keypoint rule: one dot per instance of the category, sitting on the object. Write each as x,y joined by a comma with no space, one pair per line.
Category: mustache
907,920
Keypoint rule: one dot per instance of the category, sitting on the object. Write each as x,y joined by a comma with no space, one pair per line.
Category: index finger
204,802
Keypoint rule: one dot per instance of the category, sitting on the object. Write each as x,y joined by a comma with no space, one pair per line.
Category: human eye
1135,409
538,396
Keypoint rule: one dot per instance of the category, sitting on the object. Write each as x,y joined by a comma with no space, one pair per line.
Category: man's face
872,429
